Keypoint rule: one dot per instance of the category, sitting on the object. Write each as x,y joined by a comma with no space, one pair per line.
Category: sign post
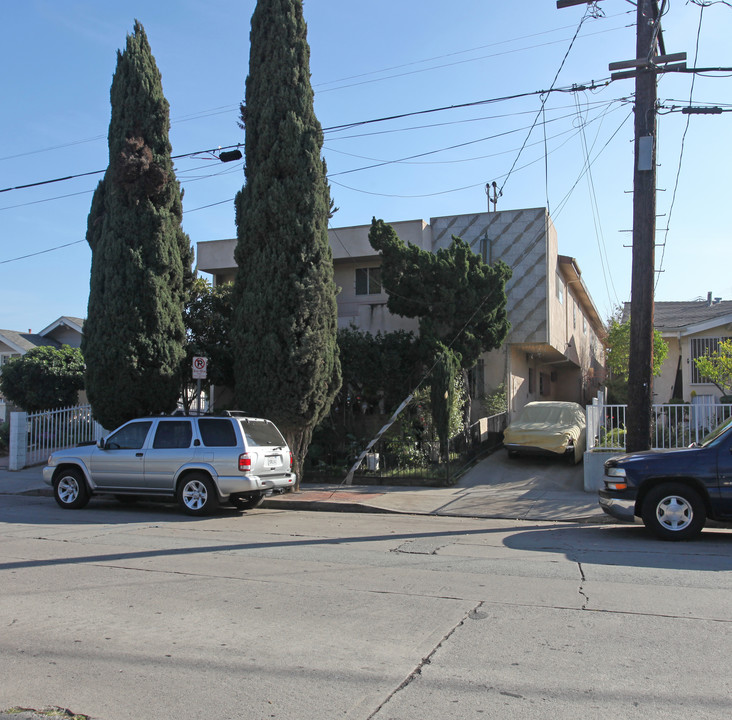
200,371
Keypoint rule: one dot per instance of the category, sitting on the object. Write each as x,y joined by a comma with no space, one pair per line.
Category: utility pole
644,68
640,359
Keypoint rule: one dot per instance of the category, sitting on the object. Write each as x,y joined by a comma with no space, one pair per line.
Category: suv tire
196,494
674,511
70,490
247,502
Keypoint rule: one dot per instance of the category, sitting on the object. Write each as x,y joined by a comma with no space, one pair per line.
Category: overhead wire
681,152
602,249
473,185
222,109
545,98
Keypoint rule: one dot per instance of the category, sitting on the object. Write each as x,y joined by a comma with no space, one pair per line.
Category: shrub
4,436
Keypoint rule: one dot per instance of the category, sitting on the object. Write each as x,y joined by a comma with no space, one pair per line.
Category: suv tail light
245,462
290,462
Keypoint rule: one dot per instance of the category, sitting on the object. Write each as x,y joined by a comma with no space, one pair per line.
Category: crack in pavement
474,614
581,588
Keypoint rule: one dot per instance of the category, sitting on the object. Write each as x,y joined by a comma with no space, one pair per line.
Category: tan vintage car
551,427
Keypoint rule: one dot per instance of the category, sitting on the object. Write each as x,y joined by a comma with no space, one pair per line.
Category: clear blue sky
369,61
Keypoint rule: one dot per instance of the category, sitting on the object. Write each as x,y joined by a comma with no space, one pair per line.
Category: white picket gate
34,436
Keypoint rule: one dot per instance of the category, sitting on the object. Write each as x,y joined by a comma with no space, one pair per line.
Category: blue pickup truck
674,492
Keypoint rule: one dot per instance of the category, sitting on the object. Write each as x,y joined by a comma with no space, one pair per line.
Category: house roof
688,317
23,342
65,320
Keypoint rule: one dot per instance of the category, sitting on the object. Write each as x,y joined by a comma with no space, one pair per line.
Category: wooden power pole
644,68
640,366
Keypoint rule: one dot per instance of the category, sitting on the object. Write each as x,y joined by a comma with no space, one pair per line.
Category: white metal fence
673,426
34,436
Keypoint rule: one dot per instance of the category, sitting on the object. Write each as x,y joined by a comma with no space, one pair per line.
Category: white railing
673,426
34,436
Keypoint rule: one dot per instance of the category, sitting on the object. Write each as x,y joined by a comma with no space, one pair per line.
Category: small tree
44,378
716,368
618,349
618,357
442,395
207,319
460,301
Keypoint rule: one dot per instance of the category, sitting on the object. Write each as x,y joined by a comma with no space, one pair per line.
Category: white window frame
373,286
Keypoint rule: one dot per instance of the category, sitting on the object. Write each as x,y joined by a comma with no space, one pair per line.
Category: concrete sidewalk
496,487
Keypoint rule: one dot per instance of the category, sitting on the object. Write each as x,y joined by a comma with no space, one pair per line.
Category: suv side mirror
100,443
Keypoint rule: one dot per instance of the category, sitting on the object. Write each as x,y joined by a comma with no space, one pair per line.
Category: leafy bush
495,402
4,436
613,439
44,378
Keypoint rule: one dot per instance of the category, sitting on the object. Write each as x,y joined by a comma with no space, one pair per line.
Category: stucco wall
518,238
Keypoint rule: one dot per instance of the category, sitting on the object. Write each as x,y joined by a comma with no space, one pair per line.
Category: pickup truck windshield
712,436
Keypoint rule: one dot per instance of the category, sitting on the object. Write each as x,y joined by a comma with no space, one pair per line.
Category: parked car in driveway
197,461
673,492
548,427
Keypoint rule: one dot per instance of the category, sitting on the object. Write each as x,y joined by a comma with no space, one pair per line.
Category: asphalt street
122,613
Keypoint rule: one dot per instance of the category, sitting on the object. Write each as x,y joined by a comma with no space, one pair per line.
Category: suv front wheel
674,511
197,494
70,490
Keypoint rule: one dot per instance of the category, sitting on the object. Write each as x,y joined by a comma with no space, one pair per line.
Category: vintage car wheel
674,511
197,494
70,490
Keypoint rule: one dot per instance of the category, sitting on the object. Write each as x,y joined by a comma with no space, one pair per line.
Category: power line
681,151
42,252
99,172
469,50
335,128
546,97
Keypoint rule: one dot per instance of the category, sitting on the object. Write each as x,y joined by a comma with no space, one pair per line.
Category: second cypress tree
285,315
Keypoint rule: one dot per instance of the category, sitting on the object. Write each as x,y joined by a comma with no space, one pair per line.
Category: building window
574,315
531,381
699,348
560,290
368,281
584,325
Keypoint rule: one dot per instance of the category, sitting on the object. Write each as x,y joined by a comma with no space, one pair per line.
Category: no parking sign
200,367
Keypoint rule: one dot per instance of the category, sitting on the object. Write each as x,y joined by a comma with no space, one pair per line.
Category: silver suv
198,461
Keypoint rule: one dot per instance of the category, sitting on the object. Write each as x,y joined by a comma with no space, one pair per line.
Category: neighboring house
64,331
691,329
554,350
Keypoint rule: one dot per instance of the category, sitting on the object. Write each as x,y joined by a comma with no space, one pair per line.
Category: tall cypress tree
141,259
285,316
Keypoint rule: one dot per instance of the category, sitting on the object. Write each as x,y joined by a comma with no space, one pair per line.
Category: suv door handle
138,454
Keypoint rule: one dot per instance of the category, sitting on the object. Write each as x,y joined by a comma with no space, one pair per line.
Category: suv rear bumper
252,483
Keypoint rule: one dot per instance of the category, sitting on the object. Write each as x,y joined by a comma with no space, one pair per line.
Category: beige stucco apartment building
554,350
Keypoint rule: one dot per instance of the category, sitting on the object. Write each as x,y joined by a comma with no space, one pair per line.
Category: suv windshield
262,433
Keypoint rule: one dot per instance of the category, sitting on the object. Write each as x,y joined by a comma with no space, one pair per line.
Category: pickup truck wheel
197,494
248,502
70,490
673,511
